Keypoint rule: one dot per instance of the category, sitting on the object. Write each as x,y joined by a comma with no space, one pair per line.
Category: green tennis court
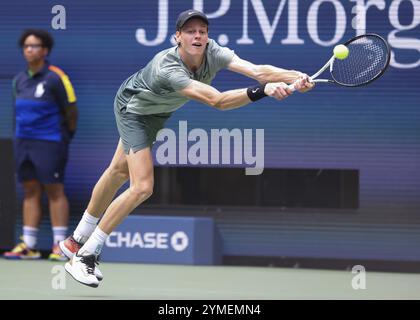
37,280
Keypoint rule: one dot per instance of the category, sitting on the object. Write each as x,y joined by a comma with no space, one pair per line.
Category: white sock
30,236
94,244
59,234
85,227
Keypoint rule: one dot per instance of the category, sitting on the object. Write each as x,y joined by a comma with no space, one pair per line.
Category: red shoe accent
69,246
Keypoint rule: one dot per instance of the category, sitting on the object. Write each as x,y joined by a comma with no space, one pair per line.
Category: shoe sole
92,285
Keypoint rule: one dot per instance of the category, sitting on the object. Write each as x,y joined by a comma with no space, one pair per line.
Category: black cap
189,14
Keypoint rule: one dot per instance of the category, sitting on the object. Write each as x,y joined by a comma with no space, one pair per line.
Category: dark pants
41,160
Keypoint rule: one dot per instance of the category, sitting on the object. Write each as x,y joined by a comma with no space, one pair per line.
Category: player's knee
146,189
142,190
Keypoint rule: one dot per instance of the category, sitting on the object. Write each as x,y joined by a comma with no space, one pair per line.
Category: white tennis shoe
82,269
70,246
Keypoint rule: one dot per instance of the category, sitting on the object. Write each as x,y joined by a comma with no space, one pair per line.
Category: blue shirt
40,102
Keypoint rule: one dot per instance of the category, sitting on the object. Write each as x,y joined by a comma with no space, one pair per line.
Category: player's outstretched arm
233,99
267,73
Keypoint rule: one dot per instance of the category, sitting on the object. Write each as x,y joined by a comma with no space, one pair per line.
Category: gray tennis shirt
153,89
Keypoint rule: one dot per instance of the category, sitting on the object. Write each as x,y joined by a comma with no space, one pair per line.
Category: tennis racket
368,58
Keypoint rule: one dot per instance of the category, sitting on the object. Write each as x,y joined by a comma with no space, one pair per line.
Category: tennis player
142,105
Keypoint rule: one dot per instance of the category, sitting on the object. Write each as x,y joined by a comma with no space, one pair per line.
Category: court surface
44,279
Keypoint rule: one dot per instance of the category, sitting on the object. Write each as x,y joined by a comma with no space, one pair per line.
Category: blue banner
161,239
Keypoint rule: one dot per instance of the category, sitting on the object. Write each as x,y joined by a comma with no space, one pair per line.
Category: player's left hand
304,83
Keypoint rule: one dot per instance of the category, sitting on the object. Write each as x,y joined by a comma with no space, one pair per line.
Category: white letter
166,152
109,242
162,27
126,239
59,21
183,142
258,160
340,23
226,135
245,39
292,27
215,146
150,240
267,28
137,240
58,282
403,43
224,7
360,8
359,280
162,241
198,152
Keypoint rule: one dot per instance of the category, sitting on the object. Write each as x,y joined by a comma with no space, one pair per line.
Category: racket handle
292,87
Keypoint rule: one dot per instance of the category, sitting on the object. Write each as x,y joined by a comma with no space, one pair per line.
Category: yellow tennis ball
341,52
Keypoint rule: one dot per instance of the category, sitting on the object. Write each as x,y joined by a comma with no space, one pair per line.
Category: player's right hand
277,90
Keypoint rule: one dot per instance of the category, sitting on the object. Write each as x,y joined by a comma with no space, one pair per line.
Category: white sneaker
97,272
82,269
70,246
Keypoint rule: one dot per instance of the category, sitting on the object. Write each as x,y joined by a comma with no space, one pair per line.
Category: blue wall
373,129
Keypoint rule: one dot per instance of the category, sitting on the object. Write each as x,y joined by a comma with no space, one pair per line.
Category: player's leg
109,183
104,191
137,132
82,266
140,166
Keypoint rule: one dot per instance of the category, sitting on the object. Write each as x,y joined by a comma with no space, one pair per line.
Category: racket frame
330,64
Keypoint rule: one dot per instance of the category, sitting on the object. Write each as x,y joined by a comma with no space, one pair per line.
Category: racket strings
367,58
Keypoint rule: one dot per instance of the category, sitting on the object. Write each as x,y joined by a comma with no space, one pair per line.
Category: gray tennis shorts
137,131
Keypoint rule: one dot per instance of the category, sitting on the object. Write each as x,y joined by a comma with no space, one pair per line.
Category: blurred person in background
45,123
